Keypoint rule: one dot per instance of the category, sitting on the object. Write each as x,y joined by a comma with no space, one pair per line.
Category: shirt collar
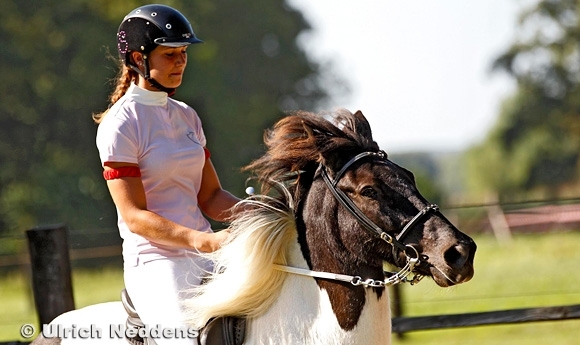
146,97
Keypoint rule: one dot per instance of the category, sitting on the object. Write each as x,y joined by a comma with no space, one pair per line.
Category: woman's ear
137,58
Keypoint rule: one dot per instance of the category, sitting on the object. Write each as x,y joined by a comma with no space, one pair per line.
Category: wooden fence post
499,224
397,306
51,272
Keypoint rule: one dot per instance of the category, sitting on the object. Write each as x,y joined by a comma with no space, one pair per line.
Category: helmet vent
168,26
153,14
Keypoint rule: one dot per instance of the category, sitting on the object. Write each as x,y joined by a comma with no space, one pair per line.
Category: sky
419,70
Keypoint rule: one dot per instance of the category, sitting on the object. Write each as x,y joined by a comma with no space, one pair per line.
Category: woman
157,167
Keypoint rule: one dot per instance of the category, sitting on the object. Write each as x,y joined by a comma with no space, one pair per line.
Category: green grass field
533,271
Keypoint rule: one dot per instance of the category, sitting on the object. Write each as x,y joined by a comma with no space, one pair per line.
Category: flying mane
264,227
300,142
245,282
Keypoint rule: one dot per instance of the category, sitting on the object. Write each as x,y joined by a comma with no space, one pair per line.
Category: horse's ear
361,120
363,127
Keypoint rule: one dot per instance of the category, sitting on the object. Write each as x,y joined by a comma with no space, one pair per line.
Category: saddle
226,330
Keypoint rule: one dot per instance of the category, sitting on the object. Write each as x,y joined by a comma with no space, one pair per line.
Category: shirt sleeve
117,139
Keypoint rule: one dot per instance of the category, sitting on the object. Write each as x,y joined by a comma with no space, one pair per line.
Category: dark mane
302,140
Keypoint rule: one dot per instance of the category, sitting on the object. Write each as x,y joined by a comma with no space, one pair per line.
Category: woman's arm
129,196
213,200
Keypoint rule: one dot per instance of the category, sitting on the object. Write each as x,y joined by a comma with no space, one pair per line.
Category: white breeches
156,289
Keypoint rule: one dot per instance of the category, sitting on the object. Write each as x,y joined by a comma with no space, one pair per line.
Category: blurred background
480,99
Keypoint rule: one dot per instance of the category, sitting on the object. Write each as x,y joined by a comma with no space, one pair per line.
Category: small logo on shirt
192,137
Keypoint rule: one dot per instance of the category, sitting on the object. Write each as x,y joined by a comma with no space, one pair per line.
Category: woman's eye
173,53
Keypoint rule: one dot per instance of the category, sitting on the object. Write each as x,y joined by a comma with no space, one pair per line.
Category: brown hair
124,79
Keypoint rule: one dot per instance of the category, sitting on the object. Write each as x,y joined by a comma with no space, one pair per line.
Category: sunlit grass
535,270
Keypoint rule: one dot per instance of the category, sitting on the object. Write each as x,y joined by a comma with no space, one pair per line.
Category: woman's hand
212,241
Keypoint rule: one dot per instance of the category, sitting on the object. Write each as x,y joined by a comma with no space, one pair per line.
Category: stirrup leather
133,321
227,330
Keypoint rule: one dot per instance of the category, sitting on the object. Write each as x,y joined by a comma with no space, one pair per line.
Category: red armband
115,173
207,153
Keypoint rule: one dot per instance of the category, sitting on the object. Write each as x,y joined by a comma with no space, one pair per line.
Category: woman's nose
182,59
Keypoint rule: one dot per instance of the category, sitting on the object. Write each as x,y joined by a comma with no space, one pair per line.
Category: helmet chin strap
147,76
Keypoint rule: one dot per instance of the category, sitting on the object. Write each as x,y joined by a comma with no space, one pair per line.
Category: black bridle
367,224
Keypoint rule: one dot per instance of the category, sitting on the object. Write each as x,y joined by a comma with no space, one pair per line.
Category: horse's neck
303,314
347,301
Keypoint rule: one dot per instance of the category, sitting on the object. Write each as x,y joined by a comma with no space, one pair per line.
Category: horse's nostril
456,256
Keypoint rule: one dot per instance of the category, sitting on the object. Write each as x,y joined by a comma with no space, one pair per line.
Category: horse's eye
369,192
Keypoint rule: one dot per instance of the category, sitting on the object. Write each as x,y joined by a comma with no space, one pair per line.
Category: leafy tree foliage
55,65
534,148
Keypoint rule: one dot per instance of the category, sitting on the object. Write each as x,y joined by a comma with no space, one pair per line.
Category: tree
53,70
55,64
534,148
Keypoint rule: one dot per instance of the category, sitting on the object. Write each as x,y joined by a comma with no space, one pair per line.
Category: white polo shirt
165,138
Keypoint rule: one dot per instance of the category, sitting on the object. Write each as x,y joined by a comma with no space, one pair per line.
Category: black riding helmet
148,26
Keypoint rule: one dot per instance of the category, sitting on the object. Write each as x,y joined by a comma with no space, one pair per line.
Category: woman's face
166,65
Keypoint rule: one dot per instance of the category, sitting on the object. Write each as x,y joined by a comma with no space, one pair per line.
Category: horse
305,261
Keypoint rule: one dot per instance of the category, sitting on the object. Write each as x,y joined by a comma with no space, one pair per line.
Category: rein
390,278
403,276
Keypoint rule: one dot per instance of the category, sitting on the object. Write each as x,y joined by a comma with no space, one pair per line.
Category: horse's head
381,213
357,209
379,206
